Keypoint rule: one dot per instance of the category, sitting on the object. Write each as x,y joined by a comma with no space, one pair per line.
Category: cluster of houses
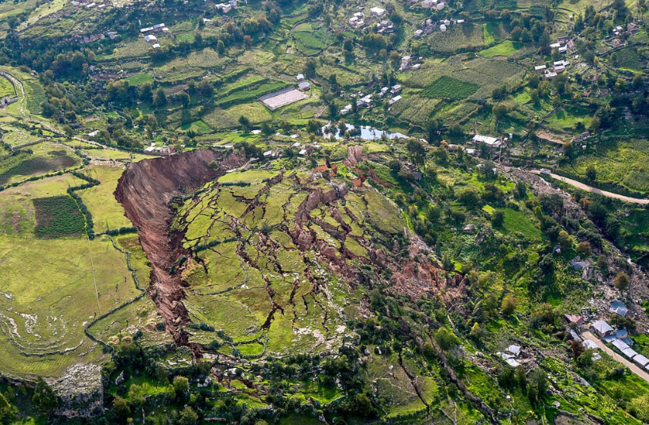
88,4
429,26
164,150
152,39
384,26
563,45
367,101
407,63
556,68
430,4
620,31
302,84
226,7
619,338
511,354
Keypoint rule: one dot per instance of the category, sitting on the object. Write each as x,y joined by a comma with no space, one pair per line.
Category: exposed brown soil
145,191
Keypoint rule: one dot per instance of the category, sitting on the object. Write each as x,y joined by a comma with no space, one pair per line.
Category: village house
396,89
150,38
602,329
492,142
576,320
394,100
377,11
365,102
304,86
405,63
618,307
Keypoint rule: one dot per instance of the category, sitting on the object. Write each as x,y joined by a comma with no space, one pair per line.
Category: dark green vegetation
58,216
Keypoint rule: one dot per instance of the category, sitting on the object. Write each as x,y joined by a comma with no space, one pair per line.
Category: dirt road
595,190
628,363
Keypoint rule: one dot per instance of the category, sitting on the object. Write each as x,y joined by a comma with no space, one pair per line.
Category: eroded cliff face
145,191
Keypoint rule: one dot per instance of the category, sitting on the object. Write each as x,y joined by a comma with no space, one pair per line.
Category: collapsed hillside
274,258
145,191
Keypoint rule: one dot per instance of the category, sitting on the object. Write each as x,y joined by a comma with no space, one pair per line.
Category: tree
621,281
564,240
583,249
220,47
121,409
499,110
394,165
416,151
44,398
181,387
8,413
508,306
187,417
591,173
446,339
245,123
432,130
309,68
184,99
498,219
469,198
146,93
160,99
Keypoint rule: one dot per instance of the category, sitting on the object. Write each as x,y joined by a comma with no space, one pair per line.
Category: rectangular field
282,98
450,88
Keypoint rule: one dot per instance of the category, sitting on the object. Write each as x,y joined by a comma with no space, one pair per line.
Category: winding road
591,189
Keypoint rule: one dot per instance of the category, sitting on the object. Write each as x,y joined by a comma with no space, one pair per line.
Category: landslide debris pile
282,259
268,261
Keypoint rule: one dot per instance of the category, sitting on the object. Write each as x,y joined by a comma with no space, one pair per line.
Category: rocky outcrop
80,391
145,191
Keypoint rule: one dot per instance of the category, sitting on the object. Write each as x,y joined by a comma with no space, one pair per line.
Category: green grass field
450,88
506,48
107,213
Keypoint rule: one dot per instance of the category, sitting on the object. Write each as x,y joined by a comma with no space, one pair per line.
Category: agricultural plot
17,215
449,88
107,213
485,73
629,58
249,93
415,109
25,164
58,216
310,40
255,112
51,289
457,37
506,48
